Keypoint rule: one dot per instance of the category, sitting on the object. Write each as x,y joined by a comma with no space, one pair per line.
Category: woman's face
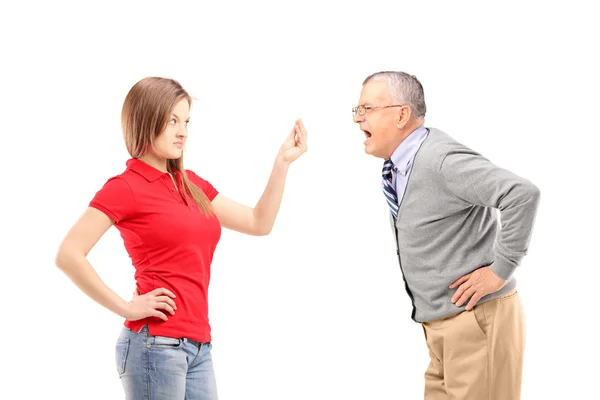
170,143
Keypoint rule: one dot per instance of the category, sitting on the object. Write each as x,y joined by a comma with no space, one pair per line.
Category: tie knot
388,166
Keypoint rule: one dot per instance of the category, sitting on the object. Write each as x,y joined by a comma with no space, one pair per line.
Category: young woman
170,220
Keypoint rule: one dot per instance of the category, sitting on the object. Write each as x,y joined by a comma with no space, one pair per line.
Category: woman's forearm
81,272
265,211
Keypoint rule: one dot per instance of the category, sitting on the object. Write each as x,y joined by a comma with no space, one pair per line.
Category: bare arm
71,259
259,220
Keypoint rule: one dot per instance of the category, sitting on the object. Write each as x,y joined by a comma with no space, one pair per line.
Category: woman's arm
71,259
259,220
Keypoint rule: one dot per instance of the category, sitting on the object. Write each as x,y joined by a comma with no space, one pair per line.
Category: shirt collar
404,154
145,170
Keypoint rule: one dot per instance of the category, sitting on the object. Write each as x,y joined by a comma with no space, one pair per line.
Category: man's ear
403,117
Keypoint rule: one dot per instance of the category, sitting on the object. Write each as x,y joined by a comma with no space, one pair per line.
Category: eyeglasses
361,110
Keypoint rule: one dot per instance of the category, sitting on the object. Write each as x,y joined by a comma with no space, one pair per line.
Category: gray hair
404,89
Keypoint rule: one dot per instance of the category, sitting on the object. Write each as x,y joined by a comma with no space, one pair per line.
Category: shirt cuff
502,268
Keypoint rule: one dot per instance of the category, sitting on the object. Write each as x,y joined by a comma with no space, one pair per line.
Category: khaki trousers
477,354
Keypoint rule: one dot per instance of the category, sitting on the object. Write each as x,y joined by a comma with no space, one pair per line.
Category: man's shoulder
437,144
440,137
441,143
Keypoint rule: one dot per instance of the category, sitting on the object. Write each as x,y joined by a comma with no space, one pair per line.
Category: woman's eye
172,122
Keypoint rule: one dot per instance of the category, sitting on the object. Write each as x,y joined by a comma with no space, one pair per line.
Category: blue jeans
164,368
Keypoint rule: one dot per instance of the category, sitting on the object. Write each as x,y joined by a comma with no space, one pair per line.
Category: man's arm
478,181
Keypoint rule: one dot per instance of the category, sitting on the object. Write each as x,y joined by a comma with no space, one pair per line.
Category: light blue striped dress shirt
403,158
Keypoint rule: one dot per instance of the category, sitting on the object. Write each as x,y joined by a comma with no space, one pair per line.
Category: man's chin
370,151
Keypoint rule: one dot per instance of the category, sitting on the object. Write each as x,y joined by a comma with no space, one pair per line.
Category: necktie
388,189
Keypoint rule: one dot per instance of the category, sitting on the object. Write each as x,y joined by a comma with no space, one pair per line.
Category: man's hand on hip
475,285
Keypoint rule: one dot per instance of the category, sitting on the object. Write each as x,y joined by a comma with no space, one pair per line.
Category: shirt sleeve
204,185
478,181
115,199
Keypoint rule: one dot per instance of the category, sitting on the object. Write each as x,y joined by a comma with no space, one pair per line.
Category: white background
316,310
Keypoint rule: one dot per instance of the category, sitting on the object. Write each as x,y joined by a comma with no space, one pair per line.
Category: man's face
380,125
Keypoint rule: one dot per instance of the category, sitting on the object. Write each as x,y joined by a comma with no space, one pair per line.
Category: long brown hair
146,112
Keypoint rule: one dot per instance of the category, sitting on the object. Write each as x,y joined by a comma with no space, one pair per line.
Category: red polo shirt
170,243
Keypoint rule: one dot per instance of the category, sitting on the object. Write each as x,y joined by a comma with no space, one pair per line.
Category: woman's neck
159,164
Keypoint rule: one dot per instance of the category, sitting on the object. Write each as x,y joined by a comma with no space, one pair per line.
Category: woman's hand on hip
151,304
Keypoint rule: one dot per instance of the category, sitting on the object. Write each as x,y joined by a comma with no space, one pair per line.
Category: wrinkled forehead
374,92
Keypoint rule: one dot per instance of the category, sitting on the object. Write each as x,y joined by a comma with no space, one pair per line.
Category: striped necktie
388,189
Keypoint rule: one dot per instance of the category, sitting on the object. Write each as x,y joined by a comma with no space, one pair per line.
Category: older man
457,264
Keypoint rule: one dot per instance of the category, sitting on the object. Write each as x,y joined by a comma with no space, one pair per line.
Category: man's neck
405,132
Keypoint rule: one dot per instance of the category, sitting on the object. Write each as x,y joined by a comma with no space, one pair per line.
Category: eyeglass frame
356,110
